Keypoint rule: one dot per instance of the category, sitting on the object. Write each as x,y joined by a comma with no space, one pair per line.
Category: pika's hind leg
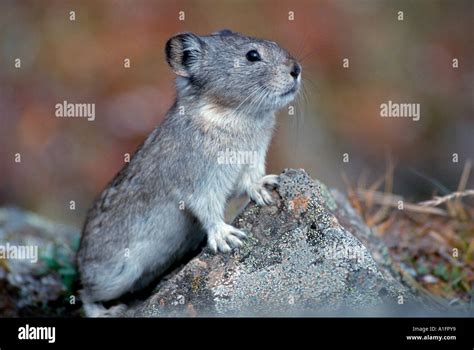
95,309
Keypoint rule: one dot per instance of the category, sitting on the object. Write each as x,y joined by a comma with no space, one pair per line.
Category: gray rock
305,255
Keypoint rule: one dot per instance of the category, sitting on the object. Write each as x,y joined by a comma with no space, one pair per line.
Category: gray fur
136,228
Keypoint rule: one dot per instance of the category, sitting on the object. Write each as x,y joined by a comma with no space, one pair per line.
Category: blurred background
82,61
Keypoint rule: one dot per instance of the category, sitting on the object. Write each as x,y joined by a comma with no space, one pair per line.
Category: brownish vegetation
431,242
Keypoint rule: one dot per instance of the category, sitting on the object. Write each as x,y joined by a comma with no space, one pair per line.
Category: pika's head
233,70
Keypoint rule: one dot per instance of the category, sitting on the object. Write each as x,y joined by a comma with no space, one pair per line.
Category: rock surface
305,255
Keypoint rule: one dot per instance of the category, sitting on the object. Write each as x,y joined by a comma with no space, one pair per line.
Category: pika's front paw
259,194
224,237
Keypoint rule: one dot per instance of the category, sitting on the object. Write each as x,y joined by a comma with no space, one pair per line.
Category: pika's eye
253,56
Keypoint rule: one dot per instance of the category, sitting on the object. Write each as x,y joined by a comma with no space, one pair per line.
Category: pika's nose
295,72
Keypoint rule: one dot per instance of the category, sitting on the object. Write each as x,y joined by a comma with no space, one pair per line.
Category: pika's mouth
292,91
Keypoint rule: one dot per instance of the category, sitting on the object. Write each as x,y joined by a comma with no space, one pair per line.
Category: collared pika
174,190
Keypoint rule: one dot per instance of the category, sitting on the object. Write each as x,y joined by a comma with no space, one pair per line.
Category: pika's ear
183,51
223,32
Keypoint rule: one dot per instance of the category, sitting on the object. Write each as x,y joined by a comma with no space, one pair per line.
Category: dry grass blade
464,176
456,208
394,201
353,198
437,200
384,211
452,201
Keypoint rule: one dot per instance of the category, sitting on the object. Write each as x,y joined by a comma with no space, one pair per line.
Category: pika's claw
270,180
259,194
225,237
